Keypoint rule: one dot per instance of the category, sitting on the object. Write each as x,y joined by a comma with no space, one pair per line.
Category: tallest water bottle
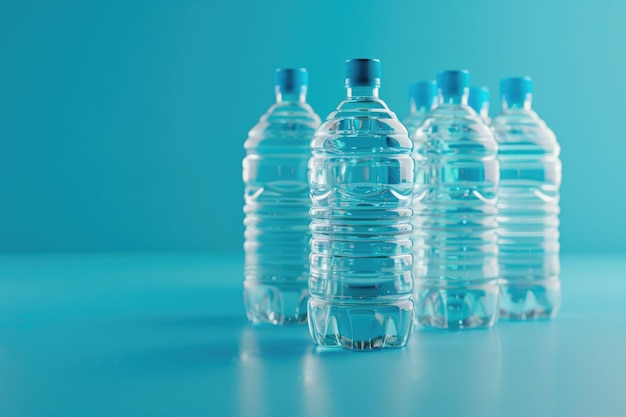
456,271
361,178
528,206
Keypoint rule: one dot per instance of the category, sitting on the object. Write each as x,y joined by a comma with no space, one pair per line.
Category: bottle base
278,304
361,326
522,301
457,308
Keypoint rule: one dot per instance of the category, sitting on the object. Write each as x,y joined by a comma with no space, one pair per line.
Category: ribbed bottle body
456,268
528,217
361,179
276,211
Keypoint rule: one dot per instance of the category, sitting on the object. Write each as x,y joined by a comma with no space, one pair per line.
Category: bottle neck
362,91
414,108
460,99
525,104
280,97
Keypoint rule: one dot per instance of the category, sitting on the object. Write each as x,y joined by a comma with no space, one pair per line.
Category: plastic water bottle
422,99
456,267
361,178
528,206
277,205
479,101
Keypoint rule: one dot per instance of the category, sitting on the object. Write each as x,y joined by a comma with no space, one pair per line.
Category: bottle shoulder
284,124
523,128
293,112
455,129
362,126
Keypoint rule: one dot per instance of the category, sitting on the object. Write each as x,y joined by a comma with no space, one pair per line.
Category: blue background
122,122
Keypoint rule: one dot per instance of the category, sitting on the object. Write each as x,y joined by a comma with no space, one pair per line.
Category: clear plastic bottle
277,205
456,268
422,99
479,101
528,206
361,177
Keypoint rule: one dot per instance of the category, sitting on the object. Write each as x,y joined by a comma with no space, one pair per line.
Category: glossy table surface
165,335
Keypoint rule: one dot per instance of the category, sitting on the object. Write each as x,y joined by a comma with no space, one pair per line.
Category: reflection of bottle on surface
456,269
335,384
277,205
265,374
422,99
532,367
528,206
468,365
479,101
361,177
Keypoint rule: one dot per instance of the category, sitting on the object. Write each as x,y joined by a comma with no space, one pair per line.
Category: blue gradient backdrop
122,122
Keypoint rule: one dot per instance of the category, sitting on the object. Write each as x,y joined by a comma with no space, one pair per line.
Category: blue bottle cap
423,93
363,72
478,97
515,89
453,82
291,80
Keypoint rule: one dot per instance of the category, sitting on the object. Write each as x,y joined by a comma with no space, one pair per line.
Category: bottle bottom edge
361,326
277,304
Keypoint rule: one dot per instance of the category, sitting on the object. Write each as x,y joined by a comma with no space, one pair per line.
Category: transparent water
276,211
414,120
361,181
456,268
528,215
